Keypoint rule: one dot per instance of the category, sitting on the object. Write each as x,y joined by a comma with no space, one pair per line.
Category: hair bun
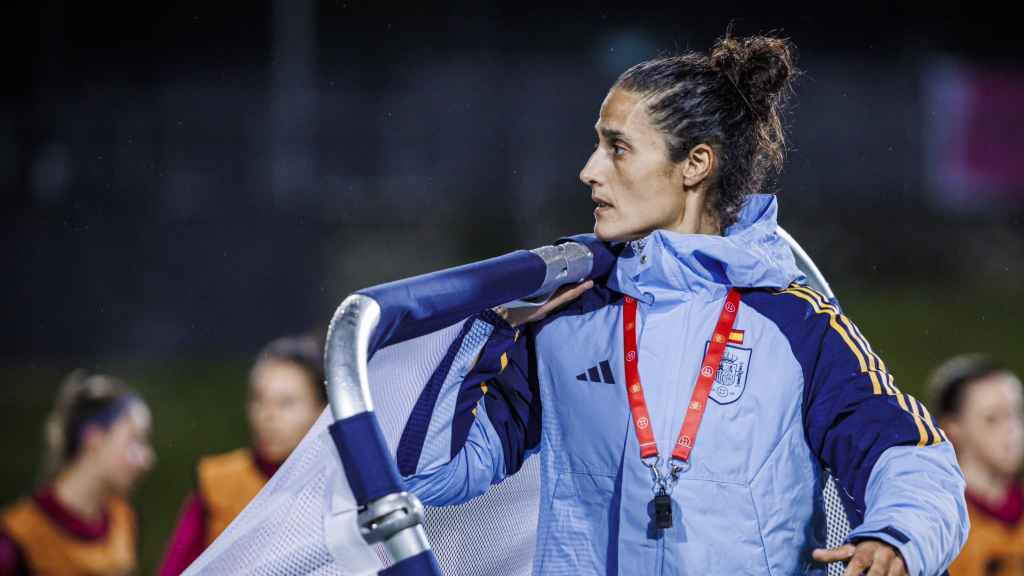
760,67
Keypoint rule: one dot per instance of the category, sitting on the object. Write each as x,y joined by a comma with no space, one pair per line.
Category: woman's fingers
564,295
897,568
882,561
872,556
826,555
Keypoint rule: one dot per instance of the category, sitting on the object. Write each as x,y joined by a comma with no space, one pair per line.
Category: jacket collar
668,266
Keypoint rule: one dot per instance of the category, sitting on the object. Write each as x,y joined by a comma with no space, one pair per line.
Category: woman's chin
609,235
606,233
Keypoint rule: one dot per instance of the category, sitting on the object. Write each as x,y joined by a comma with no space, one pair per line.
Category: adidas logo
602,373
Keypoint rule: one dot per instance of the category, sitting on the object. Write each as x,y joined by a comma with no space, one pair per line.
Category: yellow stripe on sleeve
842,332
873,365
920,426
936,431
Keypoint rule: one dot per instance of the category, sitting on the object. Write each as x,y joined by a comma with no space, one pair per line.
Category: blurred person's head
100,429
684,140
286,395
980,406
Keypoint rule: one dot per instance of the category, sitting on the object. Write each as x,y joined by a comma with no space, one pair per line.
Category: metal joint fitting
387,516
567,262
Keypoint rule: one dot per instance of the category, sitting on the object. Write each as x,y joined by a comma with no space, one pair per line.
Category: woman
981,406
702,326
286,395
79,522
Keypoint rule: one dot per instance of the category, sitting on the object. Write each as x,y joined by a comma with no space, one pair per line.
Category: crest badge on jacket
731,379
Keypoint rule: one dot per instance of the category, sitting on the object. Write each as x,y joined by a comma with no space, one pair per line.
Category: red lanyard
705,380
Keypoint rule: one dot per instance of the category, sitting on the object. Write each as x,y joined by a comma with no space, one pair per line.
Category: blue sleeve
477,419
915,503
897,473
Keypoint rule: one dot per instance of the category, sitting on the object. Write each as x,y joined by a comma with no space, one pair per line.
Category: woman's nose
588,175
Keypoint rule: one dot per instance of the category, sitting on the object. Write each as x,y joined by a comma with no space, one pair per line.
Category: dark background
184,183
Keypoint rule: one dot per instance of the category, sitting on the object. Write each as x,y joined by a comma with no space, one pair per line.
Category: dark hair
302,351
733,100
948,383
84,399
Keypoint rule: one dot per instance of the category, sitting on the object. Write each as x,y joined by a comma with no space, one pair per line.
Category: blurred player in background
286,395
981,408
79,522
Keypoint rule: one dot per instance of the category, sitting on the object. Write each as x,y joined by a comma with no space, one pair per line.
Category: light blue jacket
799,391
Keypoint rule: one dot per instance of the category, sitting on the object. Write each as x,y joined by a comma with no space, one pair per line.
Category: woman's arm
12,561
188,540
897,473
477,418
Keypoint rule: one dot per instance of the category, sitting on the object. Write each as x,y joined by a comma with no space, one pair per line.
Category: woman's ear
698,165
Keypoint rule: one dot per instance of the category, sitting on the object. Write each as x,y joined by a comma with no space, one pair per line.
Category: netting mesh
282,530
837,526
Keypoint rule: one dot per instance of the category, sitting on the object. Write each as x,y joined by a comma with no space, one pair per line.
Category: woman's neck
82,491
984,483
696,218
709,225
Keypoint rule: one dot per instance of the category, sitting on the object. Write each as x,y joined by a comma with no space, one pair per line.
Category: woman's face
991,423
636,187
123,450
283,404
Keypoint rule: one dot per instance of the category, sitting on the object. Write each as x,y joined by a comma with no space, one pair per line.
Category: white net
837,526
282,531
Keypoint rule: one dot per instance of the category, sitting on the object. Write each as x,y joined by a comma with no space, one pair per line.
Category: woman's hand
519,316
871,557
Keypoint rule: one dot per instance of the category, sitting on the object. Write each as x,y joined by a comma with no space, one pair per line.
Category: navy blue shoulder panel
410,446
852,409
512,399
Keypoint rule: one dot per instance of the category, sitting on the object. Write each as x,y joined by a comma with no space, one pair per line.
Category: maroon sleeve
12,562
188,540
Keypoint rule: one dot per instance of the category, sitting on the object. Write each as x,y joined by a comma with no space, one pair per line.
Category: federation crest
731,379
